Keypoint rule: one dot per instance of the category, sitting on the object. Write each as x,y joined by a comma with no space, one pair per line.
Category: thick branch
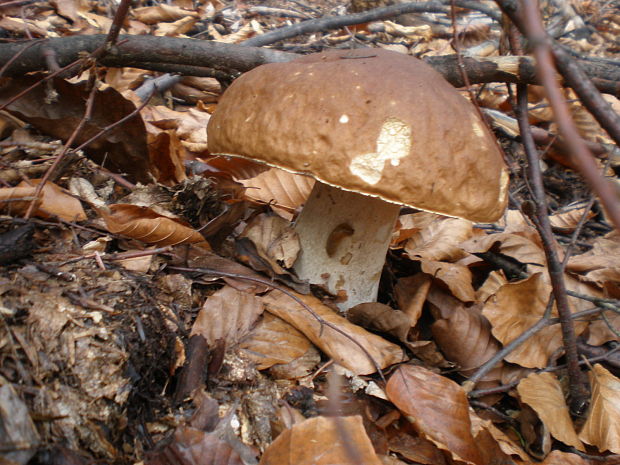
206,58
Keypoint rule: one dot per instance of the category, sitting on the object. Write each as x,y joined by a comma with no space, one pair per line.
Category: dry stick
578,390
65,149
336,22
588,93
289,294
533,30
18,54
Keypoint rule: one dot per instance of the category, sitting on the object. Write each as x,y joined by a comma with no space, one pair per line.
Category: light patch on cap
344,119
393,143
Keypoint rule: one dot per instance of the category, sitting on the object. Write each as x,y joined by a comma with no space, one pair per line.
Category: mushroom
377,130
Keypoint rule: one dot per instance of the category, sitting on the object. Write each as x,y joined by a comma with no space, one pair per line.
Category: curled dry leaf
227,316
464,336
322,441
602,428
542,392
513,245
191,446
335,344
274,238
557,457
410,294
283,191
274,341
145,225
505,444
161,13
437,407
515,308
53,201
601,264
380,318
438,237
567,221
457,277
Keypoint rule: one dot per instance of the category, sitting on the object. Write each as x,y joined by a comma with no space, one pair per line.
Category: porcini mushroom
377,130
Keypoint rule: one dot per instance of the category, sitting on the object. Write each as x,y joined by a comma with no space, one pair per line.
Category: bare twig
336,22
579,393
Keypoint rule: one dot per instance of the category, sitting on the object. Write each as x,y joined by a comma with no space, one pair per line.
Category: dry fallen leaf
542,392
191,446
464,336
322,441
275,240
602,428
145,225
438,237
283,191
53,201
437,407
515,308
335,344
274,341
457,277
227,316
601,264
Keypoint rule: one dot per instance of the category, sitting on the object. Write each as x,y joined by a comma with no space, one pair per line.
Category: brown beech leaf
53,201
380,318
416,449
410,294
514,245
438,237
161,13
557,457
227,315
601,264
494,281
542,392
274,341
567,221
501,440
122,150
602,428
190,446
457,277
464,336
283,191
515,308
143,224
437,407
322,441
275,239
600,331
337,346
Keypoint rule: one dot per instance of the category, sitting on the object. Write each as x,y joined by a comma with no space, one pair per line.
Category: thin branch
579,394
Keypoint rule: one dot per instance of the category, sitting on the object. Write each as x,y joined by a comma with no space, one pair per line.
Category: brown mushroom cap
370,121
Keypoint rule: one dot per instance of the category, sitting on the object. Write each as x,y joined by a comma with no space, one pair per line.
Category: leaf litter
95,353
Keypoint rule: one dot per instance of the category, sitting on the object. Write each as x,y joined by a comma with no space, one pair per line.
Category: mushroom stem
344,240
